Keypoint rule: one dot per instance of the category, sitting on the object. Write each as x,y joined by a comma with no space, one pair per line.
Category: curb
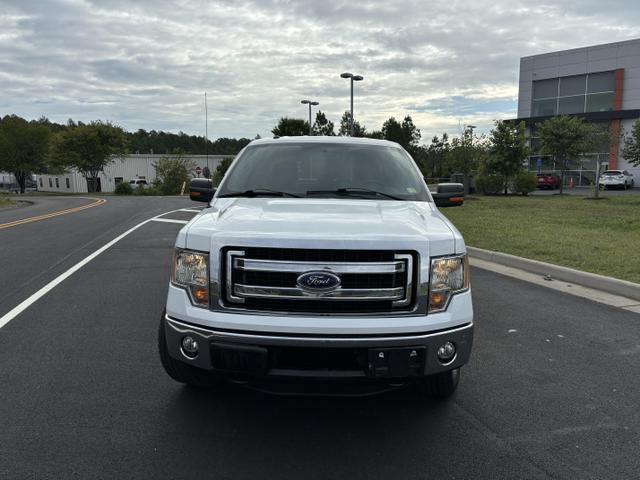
599,282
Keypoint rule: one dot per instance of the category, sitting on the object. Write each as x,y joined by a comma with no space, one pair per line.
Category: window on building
599,102
57,183
68,183
543,108
574,94
575,85
600,82
50,183
573,104
545,89
40,181
118,180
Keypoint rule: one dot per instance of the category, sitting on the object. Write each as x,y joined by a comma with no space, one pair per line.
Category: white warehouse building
132,167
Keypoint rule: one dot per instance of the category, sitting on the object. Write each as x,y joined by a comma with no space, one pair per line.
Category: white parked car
139,182
616,178
320,260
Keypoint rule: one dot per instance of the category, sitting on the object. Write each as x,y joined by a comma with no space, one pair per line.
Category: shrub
490,184
123,188
524,183
142,190
172,172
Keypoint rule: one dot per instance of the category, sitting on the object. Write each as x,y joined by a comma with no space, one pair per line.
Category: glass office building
600,84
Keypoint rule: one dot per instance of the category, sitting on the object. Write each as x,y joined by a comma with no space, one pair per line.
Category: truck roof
325,139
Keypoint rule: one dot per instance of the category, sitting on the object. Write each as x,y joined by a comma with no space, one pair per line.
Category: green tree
405,133
89,148
465,154
221,169
23,147
172,172
322,126
437,152
631,150
377,134
507,150
291,127
565,138
345,126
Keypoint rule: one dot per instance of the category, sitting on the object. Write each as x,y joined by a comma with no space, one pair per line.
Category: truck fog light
189,346
446,352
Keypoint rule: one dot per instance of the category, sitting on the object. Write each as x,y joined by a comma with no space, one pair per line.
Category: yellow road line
22,221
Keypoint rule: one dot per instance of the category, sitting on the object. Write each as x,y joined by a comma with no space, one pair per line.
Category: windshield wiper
353,191
259,192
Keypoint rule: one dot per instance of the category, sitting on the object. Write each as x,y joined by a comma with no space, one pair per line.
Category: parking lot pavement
33,254
551,392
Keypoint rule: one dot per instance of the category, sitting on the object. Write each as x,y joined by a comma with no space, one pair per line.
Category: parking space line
22,221
14,312
169,220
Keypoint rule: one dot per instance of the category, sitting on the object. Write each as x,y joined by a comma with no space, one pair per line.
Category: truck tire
180,371
441,385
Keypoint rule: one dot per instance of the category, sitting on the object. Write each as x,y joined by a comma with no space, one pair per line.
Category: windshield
326,170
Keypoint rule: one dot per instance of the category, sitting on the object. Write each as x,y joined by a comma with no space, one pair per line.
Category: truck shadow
398,424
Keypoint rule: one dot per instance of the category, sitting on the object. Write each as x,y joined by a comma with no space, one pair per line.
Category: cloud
147,64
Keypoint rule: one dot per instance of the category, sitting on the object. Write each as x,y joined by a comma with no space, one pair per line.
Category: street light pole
354,78
309,102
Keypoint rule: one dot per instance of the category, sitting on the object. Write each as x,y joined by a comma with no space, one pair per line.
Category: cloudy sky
147,63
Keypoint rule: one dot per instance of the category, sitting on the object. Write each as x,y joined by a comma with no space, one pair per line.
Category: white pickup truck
320,263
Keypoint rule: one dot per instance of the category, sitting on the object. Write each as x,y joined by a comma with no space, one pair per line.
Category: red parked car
548,180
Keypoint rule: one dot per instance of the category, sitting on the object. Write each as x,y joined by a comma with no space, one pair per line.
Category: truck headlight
449,275
191,272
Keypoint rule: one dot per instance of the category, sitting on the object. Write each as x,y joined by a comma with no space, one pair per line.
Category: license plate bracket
397,361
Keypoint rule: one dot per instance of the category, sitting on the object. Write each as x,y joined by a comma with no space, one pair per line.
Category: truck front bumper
243,355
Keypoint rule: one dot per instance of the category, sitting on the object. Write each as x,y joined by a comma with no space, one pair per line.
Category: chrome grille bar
255,265
294,293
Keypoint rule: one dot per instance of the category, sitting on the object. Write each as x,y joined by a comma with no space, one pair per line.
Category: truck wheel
180,371
441,385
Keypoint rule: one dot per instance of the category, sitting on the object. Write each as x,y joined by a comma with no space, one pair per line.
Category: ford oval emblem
318,281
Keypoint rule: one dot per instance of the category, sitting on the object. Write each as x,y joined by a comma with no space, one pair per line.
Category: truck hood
322,223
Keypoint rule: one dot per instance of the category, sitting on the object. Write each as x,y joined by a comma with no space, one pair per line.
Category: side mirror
449,195
201,190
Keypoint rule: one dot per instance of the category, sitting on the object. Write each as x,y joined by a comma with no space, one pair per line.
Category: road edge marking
22,306
169,220
45,216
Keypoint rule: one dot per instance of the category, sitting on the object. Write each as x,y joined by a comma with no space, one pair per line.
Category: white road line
192,210
13,313
169,220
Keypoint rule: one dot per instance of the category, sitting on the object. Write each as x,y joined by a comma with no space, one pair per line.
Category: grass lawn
5,202
599,236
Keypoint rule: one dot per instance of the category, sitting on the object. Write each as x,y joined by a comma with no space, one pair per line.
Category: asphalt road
551,391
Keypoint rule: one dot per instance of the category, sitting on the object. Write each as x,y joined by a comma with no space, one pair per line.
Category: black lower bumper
244,355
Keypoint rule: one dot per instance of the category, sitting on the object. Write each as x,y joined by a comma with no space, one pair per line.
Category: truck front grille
266,279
